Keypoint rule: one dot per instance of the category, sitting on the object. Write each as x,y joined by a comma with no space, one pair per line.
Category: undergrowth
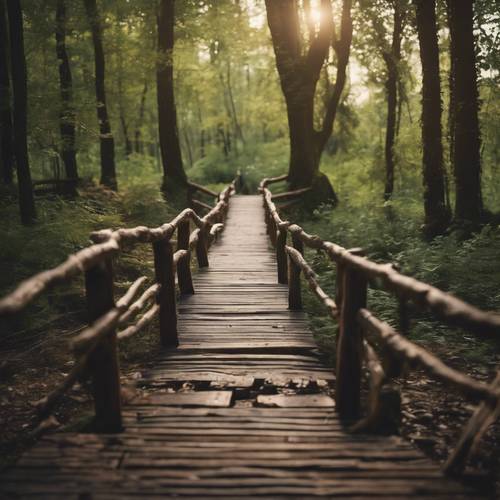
467,268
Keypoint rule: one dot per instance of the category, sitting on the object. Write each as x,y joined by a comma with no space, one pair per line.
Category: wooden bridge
239,403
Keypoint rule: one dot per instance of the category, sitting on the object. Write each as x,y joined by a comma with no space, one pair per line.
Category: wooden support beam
165,277
103,361
202,248
281,258
184,277
294,288
350,345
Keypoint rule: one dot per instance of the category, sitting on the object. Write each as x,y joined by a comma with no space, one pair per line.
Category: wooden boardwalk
242,409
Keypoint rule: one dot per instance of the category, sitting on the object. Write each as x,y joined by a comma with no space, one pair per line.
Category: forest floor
432,416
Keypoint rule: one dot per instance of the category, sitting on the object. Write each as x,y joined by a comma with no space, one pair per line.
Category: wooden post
202,248
266,218
164,271
294,291
103,361
273,231
281,259
184,265
339,286
350,345
340,277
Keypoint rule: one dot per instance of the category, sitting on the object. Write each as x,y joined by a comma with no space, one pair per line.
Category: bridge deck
241,409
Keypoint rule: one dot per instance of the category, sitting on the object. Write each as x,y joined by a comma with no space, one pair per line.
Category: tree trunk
128,142
299,74
121,107
20,93
238,132
304,156
138,145
67,117
436,213
6,146
108,171
465,126
173,168
392,61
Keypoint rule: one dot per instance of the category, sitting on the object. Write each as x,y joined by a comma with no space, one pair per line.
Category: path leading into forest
242,409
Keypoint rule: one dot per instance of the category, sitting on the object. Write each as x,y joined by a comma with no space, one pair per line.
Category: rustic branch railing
360,331
95,347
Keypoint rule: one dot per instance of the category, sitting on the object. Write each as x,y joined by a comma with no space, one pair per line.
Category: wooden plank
205,398
303,401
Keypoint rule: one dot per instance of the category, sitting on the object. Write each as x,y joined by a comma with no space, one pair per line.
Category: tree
6,148
138,145
392,59
20,115
376,13
465,134
436,213
67,118
299,71
173,168
107,143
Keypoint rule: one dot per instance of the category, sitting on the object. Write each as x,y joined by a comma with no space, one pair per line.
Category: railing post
184,265
281,258
350,344
165,276
340,277
294,291
202,248
103,361
266,218
273,230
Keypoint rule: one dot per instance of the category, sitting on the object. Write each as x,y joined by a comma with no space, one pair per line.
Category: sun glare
316,15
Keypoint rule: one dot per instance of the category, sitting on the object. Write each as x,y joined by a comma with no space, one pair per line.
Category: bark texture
173,168
465,122
392,60
68,115
20,115
108,170
6,146
436,212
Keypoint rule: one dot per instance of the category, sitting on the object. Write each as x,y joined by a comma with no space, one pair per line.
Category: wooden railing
360,332
193,188
96,347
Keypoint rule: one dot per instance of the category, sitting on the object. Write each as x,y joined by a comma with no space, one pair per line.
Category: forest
386,113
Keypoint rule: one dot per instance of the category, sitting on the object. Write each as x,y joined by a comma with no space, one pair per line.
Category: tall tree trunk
304,153
436,213
189,149
138,145
107,143
173,168
6,146
238,132
67,119
299,74
128,142
121,107
392,61
20,93
465,122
